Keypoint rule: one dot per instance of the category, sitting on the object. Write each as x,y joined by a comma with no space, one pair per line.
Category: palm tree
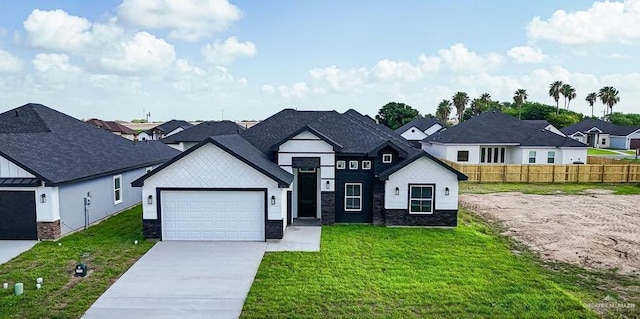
592,98
443,111
609,97
485,97
569,93
554,92
460,101
519,97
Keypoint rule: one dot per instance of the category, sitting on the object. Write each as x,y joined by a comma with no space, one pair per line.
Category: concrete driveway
12,248
184,280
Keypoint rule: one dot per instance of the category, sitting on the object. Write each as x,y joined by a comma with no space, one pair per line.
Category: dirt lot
595,230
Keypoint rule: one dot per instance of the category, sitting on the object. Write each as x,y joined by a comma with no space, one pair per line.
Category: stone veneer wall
378,203
401,217
48,230
328,207
274,229
151,229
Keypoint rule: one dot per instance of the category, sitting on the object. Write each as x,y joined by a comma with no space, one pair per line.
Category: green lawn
107,248
546,188
600,151
468,272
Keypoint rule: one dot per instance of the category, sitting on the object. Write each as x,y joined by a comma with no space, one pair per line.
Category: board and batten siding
71,199
414,134
422,171
211,167
307,144
9,169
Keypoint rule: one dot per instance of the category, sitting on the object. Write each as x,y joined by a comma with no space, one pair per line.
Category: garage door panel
18,215
213,215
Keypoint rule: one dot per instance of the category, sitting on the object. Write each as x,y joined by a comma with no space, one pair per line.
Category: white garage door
213,215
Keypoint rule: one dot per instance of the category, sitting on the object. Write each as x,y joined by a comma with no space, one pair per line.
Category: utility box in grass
81,270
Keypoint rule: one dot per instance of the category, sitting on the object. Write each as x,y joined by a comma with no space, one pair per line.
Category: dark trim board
159,200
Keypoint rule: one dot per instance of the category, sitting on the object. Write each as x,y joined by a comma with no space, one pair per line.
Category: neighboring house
601,134
115,128
497,138
416,130
163,130
543,124
50,163
191,136
313,166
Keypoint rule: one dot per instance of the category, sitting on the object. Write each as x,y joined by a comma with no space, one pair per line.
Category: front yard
548,188
108,249
467,272
600,151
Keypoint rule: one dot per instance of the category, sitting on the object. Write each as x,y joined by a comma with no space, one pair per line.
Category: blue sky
192,59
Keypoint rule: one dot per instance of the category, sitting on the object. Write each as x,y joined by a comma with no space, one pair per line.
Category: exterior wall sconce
150,200
43,198
328,185
446,191
397,191
273,200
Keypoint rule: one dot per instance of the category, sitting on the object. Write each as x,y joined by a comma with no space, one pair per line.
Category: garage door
213,215
635,143
18,215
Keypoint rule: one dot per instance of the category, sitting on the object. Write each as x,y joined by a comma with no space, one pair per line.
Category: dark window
117,189
551,157
532,157
482,153
463,156
421,199
352,197
604,141
387,158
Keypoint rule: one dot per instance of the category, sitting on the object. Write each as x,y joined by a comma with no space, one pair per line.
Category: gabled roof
388,172
169,126
495,127
200,132
241,149
112,126
58,149
537,123
420,123
605,127
307,128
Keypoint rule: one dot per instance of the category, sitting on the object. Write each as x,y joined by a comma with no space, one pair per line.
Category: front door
307,193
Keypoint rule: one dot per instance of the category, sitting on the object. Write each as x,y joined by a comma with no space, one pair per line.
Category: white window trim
535,154
353,164
359,196
551,157
341,165
387,158
117,201
366,164
433,195
148,169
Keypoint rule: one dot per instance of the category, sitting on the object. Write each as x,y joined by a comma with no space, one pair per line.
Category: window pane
427,192
415,206
349,203
350,190
489,156
482,153
116,183
425,206
415,192
502,151
495,155
356,203
117,195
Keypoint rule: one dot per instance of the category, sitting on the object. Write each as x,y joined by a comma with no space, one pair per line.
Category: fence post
628,172
603,173
553,173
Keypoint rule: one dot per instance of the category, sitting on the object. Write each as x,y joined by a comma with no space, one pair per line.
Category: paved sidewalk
298,238
9,249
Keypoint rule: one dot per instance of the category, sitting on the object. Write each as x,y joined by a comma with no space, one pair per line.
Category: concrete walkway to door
184,280
12,248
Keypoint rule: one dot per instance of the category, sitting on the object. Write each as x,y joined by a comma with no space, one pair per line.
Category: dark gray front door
307,194
18,215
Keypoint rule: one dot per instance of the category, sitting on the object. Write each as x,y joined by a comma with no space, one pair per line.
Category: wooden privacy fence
573,173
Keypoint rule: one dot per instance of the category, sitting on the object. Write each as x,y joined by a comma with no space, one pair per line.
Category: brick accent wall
274,229
328,207
48,230
401,217
151,229
378,203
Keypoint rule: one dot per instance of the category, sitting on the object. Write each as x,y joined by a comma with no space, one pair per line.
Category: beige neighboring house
115,128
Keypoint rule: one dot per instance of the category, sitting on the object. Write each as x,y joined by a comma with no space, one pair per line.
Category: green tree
591,99
443,111
609,96
569,93
460,101
519,97
394,114
554,92
562,120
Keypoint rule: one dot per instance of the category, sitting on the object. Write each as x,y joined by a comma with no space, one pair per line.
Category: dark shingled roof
169,126
421,123
112,126
540,124
605,127
495,127
239,147
59,149
203,130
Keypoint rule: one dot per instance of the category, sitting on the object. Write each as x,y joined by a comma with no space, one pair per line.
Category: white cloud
297,90
526,54
388,70
460,60
142,53
225,52
9,63
339,79
269,89
187,19
44,62
604,22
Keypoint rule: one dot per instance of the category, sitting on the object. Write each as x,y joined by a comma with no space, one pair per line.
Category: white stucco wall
45,212
9,169
421,171
413,134
573,154
211,167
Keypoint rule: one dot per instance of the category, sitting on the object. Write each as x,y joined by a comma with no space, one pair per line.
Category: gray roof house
497,138
297,166
191,136
163,130
418,129
50,163
601,134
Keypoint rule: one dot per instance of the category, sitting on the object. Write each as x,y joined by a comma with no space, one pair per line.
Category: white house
163,130
497,138
417,129
58,174
601,134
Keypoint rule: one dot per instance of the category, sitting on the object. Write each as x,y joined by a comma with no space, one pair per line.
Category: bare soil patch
594,231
